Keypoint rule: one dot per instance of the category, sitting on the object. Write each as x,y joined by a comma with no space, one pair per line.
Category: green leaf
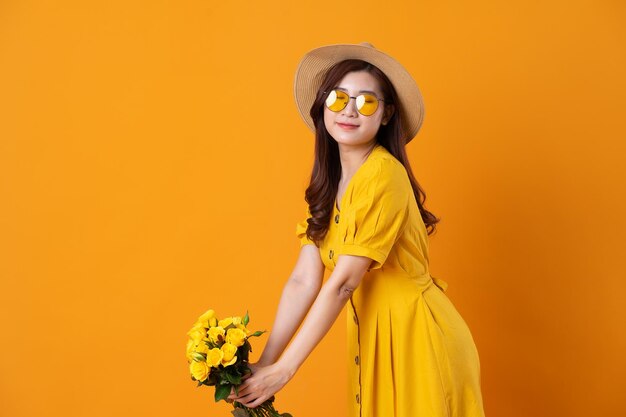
233,379
222,391
198,357
257,333
243,350
246,319
212,375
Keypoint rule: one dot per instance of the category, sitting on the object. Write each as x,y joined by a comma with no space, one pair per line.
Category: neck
352,157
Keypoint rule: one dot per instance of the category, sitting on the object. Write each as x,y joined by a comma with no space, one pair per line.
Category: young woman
410,352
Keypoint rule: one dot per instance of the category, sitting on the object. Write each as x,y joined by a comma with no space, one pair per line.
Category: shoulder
384,171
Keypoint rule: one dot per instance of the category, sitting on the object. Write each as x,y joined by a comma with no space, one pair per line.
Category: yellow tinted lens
337,100
366,104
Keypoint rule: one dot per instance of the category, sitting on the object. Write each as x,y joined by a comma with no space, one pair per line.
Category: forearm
325,310
295,302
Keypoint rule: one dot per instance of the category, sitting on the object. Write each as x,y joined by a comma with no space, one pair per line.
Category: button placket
331,252
357,357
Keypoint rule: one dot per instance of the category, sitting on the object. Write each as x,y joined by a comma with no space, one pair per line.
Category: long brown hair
324,183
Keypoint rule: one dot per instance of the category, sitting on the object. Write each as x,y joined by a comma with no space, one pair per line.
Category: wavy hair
324,183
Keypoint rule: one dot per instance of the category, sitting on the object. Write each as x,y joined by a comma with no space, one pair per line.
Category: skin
303,292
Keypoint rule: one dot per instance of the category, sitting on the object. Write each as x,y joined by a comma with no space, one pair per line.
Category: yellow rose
209,314
214,357
207,320
232,361
236,337
199,370
190,348
244,328
197,327
207,323
193,347
201,347
225,322
197,334
229,354
236,320
215,333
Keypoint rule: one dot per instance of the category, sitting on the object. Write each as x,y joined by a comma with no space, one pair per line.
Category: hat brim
315,63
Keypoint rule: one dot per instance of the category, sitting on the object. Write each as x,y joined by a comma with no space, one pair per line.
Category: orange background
153,165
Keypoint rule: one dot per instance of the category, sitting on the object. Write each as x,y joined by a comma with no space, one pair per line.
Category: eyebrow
362,91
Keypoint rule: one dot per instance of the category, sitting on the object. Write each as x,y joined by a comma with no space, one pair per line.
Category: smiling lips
347,126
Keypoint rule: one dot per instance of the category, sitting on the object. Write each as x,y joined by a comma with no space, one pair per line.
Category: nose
350,109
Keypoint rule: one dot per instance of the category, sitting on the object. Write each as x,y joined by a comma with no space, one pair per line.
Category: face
348,126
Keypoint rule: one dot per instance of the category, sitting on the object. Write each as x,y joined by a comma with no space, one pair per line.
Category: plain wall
153,165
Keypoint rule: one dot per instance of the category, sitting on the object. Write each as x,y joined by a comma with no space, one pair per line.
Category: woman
410,352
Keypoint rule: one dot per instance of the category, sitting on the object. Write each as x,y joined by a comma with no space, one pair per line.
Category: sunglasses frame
348,101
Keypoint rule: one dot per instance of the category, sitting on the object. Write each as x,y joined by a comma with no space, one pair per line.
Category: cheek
375,121
328,118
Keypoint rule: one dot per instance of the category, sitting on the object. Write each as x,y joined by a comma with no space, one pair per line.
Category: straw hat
315,63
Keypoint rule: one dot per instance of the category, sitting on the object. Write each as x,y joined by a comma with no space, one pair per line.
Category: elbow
345,291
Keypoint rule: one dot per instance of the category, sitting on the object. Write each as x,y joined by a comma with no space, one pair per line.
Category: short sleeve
377,212
301,230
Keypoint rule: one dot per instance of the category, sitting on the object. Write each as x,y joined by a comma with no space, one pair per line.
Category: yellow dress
410,352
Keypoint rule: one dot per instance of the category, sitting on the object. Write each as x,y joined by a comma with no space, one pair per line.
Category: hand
253,368
262,384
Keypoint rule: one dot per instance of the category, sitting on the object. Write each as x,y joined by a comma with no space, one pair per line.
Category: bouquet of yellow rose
217,353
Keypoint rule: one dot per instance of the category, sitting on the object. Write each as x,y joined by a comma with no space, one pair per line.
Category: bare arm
332,297
299,292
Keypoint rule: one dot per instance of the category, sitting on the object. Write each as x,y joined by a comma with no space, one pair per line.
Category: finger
233,394
243,393
244,388
246,399
256,402
247,402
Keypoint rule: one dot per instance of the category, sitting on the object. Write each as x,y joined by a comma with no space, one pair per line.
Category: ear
389,109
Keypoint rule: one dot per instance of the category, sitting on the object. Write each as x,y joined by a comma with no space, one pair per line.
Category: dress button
330,254
356,359
336,218
357,398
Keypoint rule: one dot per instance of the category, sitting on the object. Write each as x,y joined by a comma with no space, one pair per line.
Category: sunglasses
366,104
